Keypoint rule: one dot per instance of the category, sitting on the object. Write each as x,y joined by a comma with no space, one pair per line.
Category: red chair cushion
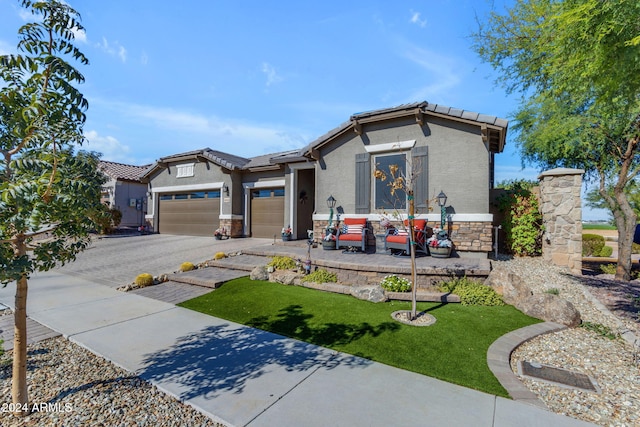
397,239
351,237
355,221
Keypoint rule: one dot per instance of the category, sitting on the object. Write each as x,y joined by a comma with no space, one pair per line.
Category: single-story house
444,149
125,191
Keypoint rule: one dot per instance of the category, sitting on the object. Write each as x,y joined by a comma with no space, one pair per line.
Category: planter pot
328,245
440,252
286,237
218,237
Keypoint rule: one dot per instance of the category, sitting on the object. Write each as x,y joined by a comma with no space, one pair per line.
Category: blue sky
256,77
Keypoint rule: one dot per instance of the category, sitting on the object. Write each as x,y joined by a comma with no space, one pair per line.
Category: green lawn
454,349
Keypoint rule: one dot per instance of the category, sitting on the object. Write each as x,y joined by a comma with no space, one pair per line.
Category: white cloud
442,72
415,19
116,50
272,76
184,131
144,58
80,35
110,148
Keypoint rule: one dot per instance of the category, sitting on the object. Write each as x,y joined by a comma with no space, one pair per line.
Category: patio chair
398,241
352,233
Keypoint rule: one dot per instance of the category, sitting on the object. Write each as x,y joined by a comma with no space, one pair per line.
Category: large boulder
369,293
550,308
511,286
259,273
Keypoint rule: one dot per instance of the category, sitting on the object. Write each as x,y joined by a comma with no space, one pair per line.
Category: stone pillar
561,209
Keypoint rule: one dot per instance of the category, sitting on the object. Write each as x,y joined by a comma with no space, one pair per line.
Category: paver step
241,262
210,277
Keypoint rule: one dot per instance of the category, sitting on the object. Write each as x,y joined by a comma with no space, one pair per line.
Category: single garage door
193,214
267,212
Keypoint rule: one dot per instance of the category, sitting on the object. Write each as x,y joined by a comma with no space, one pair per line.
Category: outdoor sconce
225,189
442,201
331,203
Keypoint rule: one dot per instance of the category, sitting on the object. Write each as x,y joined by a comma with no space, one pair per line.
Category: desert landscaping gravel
73,387
612,363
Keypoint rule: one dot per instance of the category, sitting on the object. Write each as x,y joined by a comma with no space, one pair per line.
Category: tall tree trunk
625,219
19,392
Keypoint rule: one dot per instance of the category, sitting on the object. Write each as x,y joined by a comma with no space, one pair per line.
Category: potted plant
220,233
286,233
329,238
439,244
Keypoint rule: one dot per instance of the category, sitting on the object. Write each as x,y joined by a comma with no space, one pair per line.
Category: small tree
402,185
49,194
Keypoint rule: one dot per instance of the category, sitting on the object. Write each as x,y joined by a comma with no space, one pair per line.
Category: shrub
472,292
320,276
606,252
282,263
144,279
219,255
553,291
523,221
187,266
592,244
608,268
394,283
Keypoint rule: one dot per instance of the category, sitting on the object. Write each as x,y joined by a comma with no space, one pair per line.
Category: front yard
454,349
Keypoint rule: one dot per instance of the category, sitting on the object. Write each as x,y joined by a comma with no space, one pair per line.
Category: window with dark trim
383,197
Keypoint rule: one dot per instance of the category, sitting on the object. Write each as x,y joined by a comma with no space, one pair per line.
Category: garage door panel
193,217
267,215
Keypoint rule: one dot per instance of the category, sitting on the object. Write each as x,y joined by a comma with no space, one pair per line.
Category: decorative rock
550,308
369,293
259,273
285,277
511,286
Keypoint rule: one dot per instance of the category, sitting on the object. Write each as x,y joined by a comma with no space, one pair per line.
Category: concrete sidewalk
243,376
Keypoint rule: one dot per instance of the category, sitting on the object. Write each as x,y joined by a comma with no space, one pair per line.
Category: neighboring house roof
270,161
122,172
225,160
494,129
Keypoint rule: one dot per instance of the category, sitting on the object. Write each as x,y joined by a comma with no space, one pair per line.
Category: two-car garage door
197,213
193,214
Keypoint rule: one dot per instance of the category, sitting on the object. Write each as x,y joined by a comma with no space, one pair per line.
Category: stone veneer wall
233,226
561,210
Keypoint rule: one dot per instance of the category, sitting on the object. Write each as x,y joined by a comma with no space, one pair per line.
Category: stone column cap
561,171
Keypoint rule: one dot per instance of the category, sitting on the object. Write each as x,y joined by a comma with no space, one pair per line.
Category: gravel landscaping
82,389
612,363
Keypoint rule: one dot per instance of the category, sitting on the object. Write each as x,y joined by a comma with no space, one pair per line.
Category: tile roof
269,159
120,171
425,107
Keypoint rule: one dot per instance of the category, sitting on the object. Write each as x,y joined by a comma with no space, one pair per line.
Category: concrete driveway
116,261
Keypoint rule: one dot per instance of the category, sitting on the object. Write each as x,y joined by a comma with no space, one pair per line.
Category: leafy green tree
576,64
48,193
